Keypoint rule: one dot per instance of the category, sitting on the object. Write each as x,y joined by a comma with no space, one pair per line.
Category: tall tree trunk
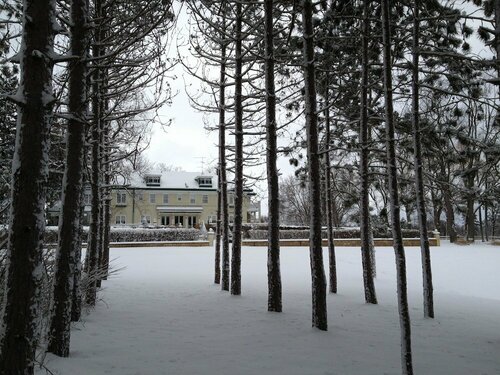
93,246
419,176
106,216
21,311
332,261
404,315
76,294
448,207
218,230
69,238
319,308
481,227
238,174
471,214
365,227
222,156
486,224
273,249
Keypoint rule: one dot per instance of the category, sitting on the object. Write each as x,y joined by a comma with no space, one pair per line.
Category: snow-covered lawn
164,315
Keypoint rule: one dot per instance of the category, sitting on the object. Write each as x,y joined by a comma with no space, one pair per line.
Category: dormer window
205,181
152,180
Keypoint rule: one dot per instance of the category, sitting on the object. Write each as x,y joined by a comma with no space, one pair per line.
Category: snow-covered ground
163,315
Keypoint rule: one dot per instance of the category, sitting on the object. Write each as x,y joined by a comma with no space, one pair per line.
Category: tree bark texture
238,175
332,261
319,307
19,334
222,159
69,236
106,215
218,231
365,228
404,315
274,302
419,175
93,247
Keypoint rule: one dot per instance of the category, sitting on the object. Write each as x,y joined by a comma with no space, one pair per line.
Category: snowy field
163,315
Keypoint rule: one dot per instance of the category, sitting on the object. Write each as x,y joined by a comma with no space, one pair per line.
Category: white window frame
192,199
152,180
165,198
121,197
205,182
152,198
120,219
204,199
87,199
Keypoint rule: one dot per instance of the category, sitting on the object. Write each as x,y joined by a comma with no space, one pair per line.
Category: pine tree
419,177
30,169
69,238
365,227
404,316
319,308
238,134
273,251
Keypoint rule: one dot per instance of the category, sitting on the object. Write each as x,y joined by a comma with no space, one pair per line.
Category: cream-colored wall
145,208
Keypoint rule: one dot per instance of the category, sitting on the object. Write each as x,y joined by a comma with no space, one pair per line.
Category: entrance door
191,221
179,221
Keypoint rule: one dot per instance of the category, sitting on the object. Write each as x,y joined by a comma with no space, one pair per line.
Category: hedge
129,234
261,234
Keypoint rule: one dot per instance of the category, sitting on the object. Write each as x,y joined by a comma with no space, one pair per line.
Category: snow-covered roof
172,180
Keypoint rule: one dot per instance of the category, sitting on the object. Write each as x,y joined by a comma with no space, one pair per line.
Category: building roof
172,180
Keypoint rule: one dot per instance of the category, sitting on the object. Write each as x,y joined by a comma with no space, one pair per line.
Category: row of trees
391,105
91,76
360,101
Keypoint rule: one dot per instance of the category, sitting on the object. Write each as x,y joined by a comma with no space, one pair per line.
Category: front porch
179,216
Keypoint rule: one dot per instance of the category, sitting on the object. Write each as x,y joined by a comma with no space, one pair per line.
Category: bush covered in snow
123,234
261,234
137,234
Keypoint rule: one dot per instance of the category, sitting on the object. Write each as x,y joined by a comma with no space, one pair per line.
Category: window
211,219
231,200
165,198
152,198
165,220
192,199
191,221
179,197
153,180
120,219
139,195
205,181
179,221
205,199
145,219
87,199
121,198
231,218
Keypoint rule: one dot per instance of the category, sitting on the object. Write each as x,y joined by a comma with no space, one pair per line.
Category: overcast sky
186,143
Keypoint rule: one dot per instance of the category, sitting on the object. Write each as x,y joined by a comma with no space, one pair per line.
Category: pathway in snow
163,315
